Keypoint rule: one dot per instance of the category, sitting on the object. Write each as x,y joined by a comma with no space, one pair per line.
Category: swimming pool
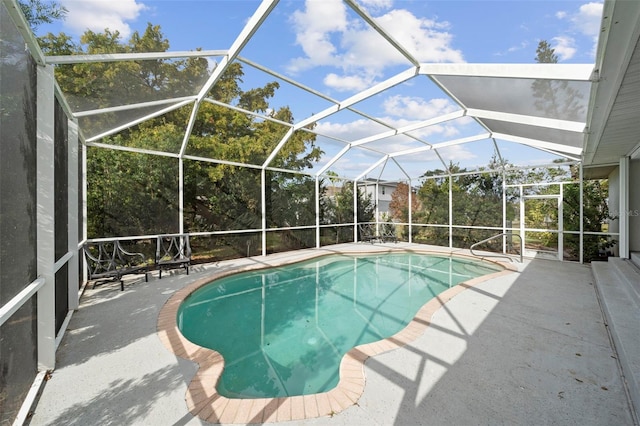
283,331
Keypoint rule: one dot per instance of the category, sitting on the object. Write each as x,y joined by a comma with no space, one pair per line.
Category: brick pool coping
204,401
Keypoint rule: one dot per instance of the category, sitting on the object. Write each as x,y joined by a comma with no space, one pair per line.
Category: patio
526,348
545,151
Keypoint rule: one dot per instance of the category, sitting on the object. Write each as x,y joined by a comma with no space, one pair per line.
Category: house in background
380,194
381,197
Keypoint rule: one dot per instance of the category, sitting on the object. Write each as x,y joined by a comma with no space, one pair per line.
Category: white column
624,208
180,195
410,216
522,231
45,218
317,212
581,214
504,212
73,204
376,199
263,184
355,211
561,224
83,200
450,211
84,193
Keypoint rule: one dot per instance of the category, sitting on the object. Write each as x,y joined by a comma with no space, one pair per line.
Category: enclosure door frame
558,231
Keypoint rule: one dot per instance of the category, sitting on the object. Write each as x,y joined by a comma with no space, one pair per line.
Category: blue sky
468,30
327,47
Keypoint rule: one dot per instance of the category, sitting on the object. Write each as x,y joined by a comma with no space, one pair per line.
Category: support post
450,211
355,211
317,211
73,205
624,208
45,218
83,200
522,231
504,212
581,240
180,195
263,184
410,212
561,224
376,199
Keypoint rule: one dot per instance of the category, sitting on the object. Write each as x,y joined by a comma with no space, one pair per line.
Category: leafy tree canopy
545,54
399,205
217,196
38,12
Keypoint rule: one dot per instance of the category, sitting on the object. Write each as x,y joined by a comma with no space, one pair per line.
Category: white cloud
393,144
588,19
450,131
347,83
584,22
456,153
426,39
374,5
313,29
515,48
329,38
447,130
353,130
523,45
400,111
417,108
564,47
98,15
359,129
211,64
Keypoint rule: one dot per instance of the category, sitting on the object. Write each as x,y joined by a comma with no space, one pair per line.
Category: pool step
618,284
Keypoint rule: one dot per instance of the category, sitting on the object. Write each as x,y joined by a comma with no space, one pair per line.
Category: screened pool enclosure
248,159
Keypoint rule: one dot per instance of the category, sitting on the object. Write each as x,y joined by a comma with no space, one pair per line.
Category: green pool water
283,331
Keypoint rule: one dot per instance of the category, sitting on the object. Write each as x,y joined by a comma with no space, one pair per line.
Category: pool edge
203,400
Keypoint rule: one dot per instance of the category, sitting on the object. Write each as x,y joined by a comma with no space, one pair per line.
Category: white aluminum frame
624,208
45,218
73,206
44,286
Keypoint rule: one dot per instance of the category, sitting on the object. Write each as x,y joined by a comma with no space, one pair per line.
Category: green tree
38,12
561,101
338,208
476,200
545,54
127,191
433,199
595,217
555,99
291,202
433,196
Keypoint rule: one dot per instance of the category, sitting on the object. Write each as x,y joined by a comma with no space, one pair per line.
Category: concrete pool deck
528,347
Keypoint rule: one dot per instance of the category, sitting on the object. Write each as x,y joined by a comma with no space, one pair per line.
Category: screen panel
17,163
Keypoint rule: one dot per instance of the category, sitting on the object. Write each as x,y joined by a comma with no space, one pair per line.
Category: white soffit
612,117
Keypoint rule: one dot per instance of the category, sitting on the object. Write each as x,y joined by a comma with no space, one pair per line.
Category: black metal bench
388,231
367,233
107,261
173,252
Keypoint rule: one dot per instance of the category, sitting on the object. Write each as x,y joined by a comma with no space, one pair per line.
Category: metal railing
499,255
